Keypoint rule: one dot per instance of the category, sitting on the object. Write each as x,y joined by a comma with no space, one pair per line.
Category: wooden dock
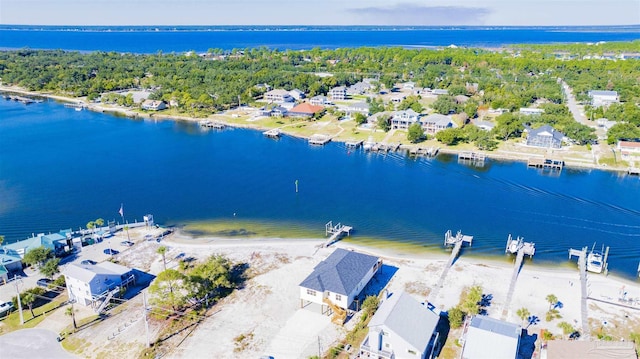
545,163
354,143
633,171
514,246
272,133
213,124
426,151
514,279
582,265
472,156
319,140
336,232
456,241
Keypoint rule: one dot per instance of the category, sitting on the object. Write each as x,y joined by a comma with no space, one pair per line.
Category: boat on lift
595,260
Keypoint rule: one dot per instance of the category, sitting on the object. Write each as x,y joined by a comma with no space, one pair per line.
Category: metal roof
340,273
491,338
407,318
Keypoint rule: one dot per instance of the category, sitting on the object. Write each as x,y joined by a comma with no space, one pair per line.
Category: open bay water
145,39
61,168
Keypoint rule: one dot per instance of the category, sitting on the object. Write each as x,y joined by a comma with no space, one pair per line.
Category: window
311,292
338,297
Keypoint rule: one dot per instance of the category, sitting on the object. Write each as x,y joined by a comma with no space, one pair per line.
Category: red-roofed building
628,148
304,110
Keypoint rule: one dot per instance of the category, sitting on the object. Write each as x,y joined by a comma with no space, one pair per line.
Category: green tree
523,313
99,222
449,136
415,133
566,328
360,118
456,317
213,277
383,123
37,256
50,267
91,225
29,299
370,304
71,312
471,302
162,250
552,300
169,289
445,105
508,126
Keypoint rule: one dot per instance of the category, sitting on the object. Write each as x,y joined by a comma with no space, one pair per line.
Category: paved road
32,344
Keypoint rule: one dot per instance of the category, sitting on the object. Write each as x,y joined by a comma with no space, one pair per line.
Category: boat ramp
450,241
336,232
518,247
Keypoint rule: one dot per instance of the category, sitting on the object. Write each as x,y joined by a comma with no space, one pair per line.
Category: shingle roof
546,128
437,119
410,320
340,273
306,108
85,273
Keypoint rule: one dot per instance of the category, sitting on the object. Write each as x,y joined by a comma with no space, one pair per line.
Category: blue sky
320,12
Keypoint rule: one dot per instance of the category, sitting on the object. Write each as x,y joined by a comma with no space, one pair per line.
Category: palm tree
91,225
99,222
28,299
552,299
70,312
162,250
523,313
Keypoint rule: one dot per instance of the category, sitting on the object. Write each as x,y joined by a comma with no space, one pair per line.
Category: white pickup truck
5,307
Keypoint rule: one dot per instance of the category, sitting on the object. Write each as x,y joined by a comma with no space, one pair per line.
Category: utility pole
16,281
144,312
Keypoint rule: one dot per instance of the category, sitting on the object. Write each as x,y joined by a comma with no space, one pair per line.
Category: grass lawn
12,322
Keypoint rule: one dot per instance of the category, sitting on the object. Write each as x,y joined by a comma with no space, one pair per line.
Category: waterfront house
278,96
545,136
486,337
304,110
530,111
58,243
338,93
90,283
357,107
435,123
319,101
297,94
278,111
629,148
404,119
603,98
154,105
401,328
339,279
10,261
359,88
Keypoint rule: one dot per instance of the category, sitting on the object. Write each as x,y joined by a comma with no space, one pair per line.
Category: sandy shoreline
497,155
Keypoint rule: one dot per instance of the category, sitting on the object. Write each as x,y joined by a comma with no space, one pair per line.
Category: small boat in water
595,260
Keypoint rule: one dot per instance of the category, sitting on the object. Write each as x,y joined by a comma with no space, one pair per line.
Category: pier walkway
582,265
457,243
514,279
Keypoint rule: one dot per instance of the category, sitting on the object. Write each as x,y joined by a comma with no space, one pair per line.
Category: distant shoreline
496,156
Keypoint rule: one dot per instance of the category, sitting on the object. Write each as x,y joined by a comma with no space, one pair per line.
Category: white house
319,101
530,111
338,93
401,328
356,107
603,98
87,284
435,123
404,119
278,96
297,94
154,105
339,278
628,148
491,338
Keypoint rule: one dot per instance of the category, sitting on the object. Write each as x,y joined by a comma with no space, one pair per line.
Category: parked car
44,282
110,251
88,262
127,243
5,308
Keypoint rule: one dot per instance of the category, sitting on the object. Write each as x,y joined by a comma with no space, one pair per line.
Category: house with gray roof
404,119
401,328
359,88
338,93
339,278
490,338
545,136
435,123
89,283
319,101
603,98
9,261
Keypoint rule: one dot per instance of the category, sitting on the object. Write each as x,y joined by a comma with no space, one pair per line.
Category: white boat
595,261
